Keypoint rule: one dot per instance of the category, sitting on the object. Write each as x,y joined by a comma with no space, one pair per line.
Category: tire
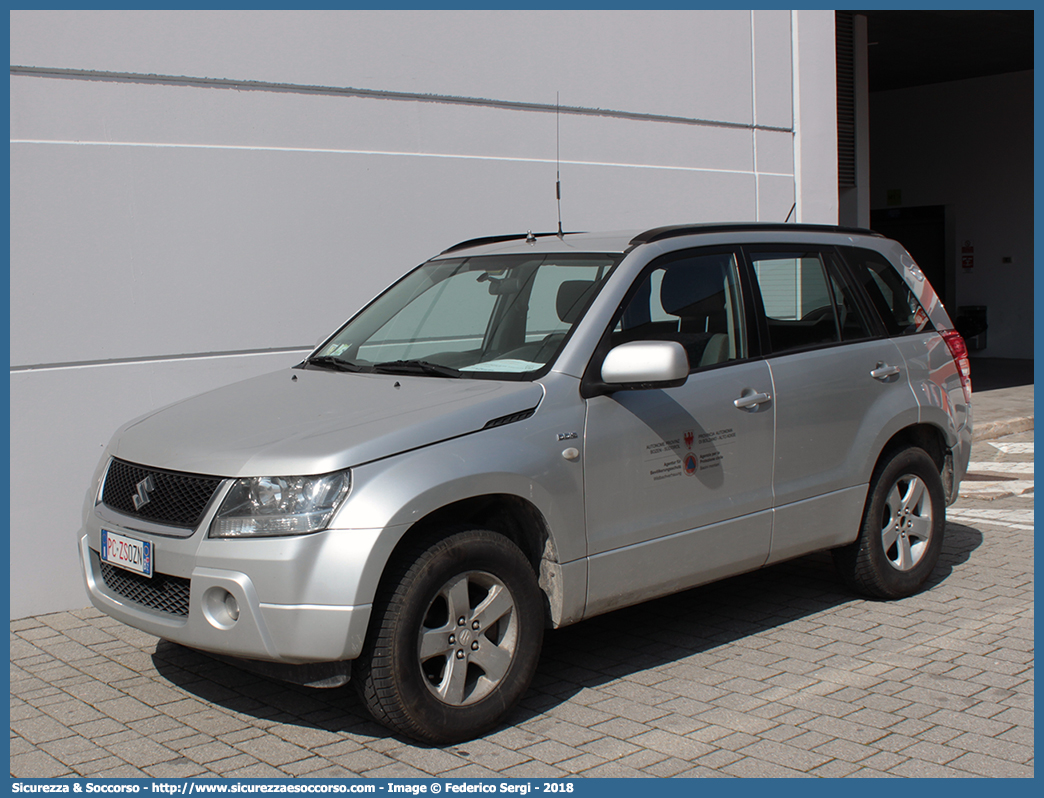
454,639
902,530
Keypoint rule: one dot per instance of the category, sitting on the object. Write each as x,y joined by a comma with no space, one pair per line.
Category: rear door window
805,299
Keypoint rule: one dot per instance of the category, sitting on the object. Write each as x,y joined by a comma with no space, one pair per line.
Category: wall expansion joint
375,94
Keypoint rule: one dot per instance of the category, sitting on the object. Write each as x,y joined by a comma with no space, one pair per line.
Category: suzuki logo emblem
142,491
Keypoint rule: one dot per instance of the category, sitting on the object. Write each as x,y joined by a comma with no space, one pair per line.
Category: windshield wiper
335,363
415,367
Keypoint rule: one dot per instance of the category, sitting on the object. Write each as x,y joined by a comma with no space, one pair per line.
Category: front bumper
282,590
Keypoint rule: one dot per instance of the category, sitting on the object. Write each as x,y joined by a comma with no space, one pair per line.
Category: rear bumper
960,455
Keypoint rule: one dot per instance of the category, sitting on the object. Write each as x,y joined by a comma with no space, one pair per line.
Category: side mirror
645,364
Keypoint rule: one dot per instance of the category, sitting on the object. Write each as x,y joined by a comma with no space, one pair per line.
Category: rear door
841,390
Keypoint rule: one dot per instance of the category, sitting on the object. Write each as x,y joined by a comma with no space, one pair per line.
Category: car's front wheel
454,639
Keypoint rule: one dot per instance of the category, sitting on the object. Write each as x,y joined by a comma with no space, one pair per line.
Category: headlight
267,506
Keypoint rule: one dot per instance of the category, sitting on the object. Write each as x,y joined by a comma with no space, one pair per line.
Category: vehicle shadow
587,655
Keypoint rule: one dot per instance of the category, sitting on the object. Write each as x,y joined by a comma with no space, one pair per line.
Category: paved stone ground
776,673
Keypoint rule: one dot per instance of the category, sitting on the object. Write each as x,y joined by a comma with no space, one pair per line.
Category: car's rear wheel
454,639
902,531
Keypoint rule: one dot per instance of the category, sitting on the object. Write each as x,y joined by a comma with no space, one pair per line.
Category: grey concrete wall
196,197
968,144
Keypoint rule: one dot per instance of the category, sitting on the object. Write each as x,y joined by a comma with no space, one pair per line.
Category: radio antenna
558,162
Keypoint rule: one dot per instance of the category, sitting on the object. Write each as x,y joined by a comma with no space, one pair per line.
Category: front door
678,481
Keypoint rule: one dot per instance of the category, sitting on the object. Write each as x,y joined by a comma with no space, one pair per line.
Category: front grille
164,593
175,499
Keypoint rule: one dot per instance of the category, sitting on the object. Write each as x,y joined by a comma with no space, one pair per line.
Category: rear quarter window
888,292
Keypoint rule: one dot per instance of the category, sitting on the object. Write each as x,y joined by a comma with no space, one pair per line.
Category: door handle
752,399
884,372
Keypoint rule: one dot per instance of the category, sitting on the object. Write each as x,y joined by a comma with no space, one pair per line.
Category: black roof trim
673,231
477,242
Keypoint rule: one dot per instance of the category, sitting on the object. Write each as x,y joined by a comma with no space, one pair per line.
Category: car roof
624,240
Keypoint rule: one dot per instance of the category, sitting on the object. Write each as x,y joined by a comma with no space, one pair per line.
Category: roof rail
673,231
476,242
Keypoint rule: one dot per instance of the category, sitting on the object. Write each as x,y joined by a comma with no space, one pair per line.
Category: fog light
220,608
232,607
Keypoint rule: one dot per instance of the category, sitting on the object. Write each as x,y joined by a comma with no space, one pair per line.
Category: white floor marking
1011,447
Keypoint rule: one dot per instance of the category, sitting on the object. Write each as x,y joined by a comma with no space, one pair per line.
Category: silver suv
526,431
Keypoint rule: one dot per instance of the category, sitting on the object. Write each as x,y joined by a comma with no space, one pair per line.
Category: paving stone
561,731
37,765
609,748
272,750
550,752
121,771
175,769
676,724
641,759
740,721
105,764
672,744
922,769
846,730
470,772
989,766
207,752
233,764
40,729
752,768
1023,735
581,764
612,770
60,620
834,769
533,770
70,712
786,755
621,728
993,747
884,761
258,770
432,761
968,723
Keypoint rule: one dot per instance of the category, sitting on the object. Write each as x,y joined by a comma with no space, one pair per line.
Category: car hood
311,422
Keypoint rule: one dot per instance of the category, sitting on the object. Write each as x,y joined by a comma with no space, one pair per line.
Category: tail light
959,352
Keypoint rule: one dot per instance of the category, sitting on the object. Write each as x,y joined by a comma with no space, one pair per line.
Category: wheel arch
512,516
930,439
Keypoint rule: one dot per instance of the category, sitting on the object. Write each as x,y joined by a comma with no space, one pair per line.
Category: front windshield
493,316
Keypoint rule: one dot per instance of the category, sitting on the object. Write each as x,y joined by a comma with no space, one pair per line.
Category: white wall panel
155,220
772,68
180,251
683,63
61,420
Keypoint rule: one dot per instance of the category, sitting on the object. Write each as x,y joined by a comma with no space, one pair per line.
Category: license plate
124,552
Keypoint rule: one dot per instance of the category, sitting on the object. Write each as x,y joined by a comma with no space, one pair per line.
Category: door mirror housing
642,365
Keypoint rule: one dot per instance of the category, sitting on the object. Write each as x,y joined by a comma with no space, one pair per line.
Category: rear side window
891,297
806,301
